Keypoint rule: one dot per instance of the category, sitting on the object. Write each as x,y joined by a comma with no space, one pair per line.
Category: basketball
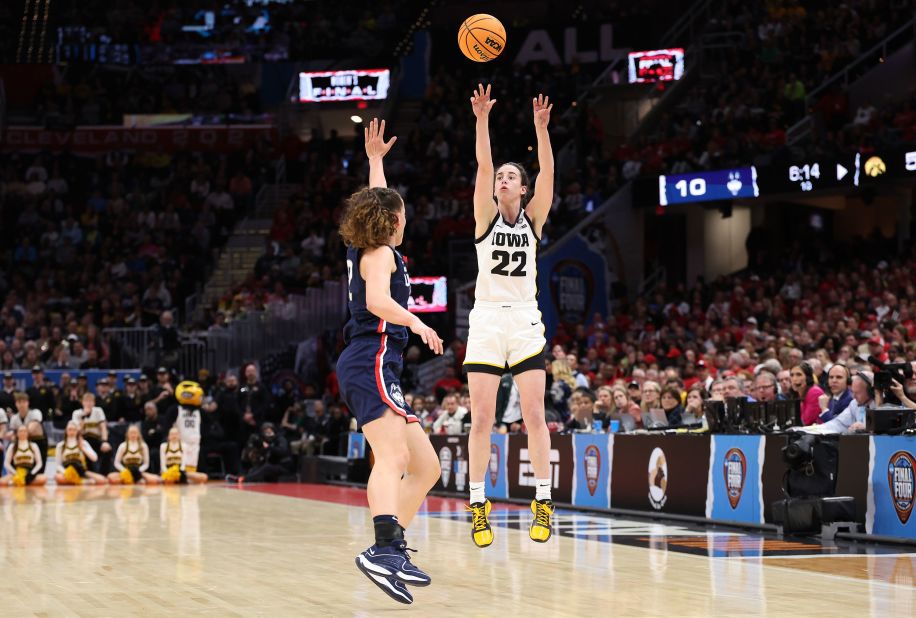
481,37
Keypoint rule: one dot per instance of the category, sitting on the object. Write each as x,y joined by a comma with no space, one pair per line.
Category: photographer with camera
267,455
898,391
889,380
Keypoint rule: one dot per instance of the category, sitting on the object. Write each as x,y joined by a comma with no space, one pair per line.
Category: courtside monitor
428,295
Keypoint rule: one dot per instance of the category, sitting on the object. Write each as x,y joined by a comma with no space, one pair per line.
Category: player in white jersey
506,332
189,395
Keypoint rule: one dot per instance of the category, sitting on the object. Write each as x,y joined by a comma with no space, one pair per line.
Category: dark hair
698,387
371,217
809,373
674,392
523,175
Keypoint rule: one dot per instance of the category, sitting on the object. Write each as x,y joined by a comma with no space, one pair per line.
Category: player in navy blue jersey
369,369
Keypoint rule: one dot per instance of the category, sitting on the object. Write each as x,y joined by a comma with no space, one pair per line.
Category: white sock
542,489
477,492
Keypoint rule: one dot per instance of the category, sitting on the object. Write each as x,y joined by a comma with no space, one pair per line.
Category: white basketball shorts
505,337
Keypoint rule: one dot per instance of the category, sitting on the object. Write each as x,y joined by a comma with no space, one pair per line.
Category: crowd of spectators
116,240
261,31
244,426
112,241
754,85
767,335
81,94
433,164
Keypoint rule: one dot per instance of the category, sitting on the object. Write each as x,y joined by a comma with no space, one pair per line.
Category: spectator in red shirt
805,389
447,384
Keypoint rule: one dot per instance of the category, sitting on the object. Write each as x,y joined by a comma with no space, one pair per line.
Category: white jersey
188,424
91,421
16,421
507,261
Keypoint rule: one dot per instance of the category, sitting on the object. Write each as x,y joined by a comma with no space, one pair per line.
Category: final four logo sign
900,482
592,457
735,473
494,463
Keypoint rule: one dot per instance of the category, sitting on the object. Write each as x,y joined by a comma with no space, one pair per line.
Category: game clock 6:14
803,174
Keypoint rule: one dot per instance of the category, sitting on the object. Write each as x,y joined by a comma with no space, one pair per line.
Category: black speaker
802,515
889,419
714,412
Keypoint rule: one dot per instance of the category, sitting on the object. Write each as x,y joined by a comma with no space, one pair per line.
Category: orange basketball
481,37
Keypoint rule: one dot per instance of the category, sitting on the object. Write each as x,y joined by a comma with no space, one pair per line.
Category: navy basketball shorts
369,374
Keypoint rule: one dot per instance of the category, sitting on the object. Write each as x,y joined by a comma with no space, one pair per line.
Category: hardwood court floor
288,551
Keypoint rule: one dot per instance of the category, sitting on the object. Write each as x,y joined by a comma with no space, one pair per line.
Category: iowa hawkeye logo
900,482
735,473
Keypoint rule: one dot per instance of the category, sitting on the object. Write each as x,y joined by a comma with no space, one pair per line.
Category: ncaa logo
735,471
900,482
445,464
658,478
592,458
494,463
395,391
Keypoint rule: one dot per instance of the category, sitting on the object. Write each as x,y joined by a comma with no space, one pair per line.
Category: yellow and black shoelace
479,518
542,514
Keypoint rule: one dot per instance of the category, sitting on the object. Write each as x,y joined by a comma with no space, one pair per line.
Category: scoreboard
788,177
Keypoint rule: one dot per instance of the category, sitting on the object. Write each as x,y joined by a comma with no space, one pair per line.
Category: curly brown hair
371,217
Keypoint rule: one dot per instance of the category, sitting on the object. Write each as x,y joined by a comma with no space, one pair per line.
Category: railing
2,106
651,282
700,11
852,71
270,195
132,347
191,302
249,337
429,372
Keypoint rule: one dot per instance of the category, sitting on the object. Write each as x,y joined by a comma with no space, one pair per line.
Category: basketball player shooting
506,332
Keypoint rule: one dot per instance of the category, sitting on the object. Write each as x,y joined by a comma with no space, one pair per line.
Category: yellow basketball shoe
481,532
540,527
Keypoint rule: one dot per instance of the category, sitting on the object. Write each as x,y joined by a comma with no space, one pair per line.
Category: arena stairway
245,245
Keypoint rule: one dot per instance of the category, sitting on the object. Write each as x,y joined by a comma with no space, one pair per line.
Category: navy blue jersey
362,322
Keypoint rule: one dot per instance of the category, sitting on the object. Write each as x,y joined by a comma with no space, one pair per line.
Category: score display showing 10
696,187
804,174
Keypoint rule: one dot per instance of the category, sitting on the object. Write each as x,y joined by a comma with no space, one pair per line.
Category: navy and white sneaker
389,585
392,561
